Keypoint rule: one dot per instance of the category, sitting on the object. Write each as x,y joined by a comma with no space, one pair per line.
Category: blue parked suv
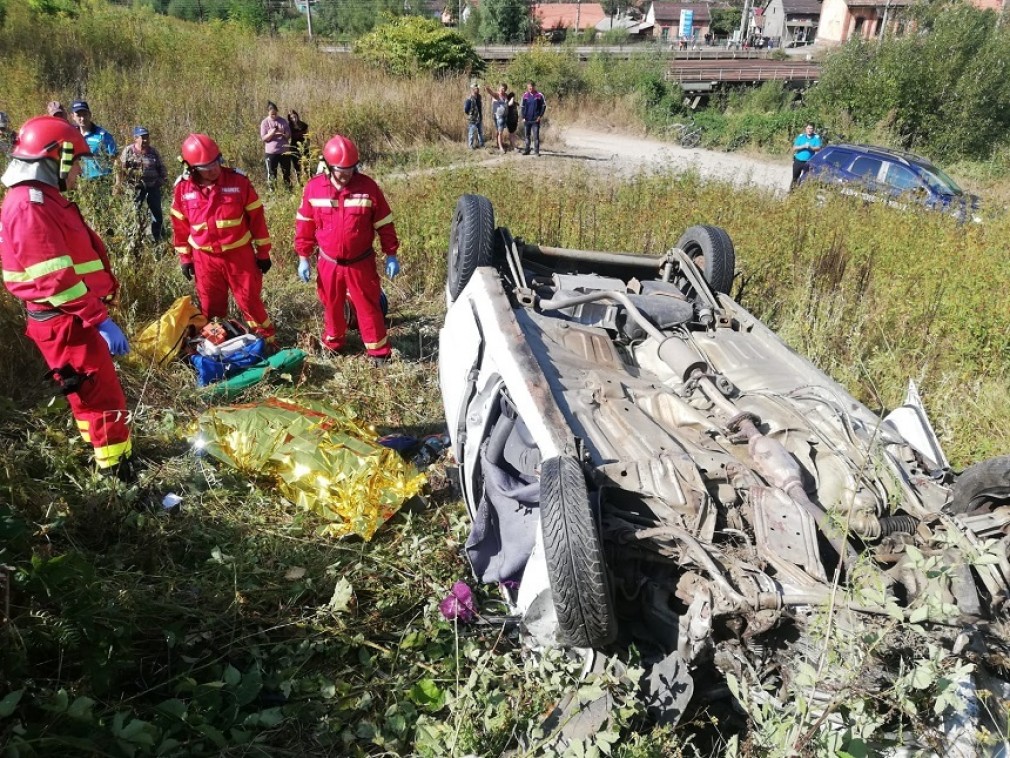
900,179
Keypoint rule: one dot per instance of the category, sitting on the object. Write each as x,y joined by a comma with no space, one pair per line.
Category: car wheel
574,556
351,316
471,241
981,484
712,251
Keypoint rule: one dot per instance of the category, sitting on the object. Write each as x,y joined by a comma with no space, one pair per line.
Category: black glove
188,270
264,264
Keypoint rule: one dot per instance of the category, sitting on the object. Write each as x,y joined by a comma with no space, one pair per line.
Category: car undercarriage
648,464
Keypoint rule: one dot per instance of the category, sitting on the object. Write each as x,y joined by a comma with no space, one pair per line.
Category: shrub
409,45
556,72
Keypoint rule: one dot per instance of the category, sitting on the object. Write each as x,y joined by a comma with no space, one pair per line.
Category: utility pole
578,14
745,21
308,15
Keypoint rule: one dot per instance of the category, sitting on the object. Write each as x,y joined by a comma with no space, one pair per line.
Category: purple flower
459,603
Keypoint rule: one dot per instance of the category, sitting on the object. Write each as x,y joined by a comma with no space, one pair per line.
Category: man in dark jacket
473,107
533,108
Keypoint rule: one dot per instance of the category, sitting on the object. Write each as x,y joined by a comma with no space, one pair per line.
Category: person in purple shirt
276,135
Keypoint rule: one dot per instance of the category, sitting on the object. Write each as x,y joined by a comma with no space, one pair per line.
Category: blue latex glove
304,269
114,337
392,266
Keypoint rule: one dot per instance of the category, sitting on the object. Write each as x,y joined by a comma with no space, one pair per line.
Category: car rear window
868,168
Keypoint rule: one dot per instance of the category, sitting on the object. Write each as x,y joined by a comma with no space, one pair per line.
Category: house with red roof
569,16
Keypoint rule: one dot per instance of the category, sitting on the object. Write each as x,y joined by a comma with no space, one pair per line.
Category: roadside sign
686,23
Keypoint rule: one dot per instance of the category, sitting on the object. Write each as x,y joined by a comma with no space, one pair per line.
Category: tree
69,8
505,20
725,21
942,90
411,44
352,18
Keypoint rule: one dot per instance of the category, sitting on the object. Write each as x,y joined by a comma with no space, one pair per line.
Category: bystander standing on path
55,108
533,108
299,141
512,117
103,145
473,107
5,133
146,174
499,109
804,147
276,136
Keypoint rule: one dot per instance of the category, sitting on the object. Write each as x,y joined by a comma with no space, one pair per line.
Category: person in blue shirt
804,147
102,144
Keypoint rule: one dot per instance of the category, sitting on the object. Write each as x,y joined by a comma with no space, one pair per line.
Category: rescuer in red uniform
217,218
341,211
57,266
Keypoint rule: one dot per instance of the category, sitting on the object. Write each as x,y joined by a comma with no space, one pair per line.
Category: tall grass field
230,627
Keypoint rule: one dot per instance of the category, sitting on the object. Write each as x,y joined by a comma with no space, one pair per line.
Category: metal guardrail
748,74
665,49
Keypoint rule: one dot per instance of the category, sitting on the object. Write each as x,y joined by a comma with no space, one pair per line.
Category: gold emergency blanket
323,458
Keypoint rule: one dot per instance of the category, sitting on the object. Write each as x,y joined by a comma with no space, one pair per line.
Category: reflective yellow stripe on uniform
246,239
89,267
227,223
182,250
387,220
39,269
376,345
177,214
110,455
262,242
322,202
199,227
78,290
254,205
300,217
358,202
83,427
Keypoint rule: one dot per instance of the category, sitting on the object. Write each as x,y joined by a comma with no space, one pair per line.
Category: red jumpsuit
342,225
215,227
56,265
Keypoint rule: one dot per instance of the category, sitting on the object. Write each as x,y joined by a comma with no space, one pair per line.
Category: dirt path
627,154
624,154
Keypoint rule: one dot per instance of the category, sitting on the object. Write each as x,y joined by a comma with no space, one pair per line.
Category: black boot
125,471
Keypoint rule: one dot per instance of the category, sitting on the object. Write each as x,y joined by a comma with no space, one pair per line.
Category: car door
868,174
903,185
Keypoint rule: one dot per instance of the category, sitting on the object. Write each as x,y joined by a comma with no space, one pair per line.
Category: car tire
981,483
574,555
351,315
711,249
471,241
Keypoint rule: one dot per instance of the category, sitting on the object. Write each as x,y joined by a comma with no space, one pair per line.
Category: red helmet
340,152
44,137
200,150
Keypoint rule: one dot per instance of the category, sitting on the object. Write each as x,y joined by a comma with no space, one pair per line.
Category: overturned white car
645,462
